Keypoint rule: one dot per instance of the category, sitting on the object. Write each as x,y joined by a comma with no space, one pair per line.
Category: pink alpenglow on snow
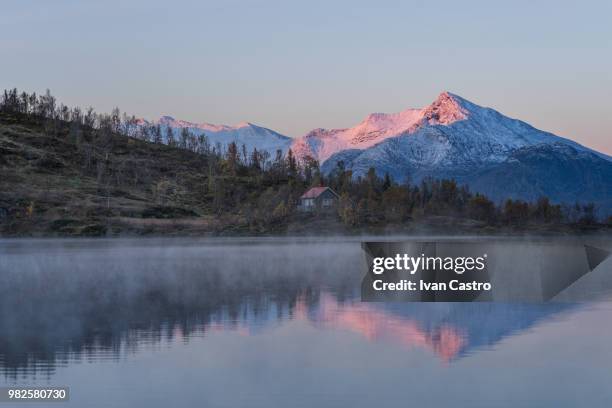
377,127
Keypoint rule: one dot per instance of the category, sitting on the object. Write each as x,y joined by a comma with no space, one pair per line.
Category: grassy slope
46,189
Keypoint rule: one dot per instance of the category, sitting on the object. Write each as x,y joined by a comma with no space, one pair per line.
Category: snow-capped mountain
450,130
322,143
247,134
377,127
454,138
451,138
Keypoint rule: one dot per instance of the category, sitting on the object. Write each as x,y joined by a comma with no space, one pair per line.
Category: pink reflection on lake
377,324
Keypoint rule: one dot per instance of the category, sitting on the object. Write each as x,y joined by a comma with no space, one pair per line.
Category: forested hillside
67,171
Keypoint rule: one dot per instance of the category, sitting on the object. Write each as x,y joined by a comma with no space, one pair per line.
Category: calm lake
277,322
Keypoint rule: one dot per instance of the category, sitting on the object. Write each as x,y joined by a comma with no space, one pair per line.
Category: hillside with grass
56,181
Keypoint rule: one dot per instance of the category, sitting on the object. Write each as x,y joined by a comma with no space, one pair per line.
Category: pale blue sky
293,66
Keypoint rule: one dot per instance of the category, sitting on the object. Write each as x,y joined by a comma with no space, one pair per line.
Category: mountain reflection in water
69,301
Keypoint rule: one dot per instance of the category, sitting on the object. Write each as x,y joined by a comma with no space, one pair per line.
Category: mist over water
275,322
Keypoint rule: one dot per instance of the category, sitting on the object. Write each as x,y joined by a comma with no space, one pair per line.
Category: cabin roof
316,192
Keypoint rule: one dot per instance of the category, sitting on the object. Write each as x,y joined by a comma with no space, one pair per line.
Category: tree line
372,199
265,188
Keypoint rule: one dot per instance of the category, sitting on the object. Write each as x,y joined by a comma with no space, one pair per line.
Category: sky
294,66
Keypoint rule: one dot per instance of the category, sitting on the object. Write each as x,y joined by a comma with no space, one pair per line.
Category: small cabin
319,198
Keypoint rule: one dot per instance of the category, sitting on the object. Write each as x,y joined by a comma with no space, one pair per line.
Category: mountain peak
446,109
243,125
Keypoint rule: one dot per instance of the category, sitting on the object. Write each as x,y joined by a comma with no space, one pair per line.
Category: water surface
276,322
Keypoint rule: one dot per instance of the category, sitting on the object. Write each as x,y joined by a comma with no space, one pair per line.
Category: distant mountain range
451,138
247,134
